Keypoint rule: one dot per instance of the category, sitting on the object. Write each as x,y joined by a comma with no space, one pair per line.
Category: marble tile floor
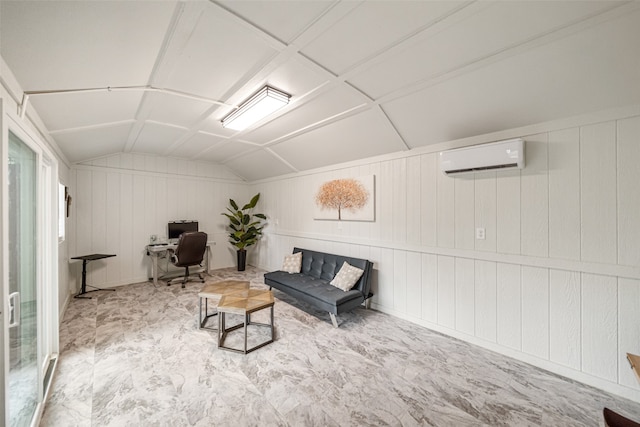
135,357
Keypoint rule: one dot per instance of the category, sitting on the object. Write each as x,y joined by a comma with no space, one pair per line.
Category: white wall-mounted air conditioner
496,155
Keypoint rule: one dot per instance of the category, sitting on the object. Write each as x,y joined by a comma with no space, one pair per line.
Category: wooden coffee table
216,291
244,303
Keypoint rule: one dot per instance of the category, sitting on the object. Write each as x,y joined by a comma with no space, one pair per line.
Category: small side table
217,290
85,259
244,303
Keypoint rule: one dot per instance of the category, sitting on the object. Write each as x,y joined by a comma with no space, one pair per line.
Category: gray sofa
312,286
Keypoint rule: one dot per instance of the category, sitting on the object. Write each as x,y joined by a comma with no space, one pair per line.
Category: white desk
160,251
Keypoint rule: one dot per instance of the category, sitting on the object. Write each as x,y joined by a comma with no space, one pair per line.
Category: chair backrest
191,248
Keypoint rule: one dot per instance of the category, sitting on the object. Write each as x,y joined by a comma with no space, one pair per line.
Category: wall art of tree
341,194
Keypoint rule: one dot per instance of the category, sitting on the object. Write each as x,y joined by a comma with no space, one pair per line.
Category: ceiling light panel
260,105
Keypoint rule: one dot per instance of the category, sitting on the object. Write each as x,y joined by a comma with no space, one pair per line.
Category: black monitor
176,228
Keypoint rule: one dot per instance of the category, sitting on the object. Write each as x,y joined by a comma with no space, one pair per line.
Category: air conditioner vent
497,155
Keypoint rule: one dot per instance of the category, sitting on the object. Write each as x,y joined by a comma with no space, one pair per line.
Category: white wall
555,283
121,200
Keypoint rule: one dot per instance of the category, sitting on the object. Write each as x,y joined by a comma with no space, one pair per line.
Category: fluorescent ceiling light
260,105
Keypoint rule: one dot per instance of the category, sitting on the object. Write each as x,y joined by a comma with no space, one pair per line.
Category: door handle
14,309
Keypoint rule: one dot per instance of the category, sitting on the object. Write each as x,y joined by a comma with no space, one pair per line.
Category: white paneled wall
628,153
121,200
555,282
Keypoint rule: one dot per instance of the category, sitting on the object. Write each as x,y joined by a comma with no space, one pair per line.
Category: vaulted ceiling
366,77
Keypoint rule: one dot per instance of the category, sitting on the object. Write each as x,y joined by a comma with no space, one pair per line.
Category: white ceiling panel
177,110
282,19
89,144
72,110
75,44
439,70
578,74
156,138
224,151
195,145
338,100
219,53
296,78
487,32
357,39
363,135
258,164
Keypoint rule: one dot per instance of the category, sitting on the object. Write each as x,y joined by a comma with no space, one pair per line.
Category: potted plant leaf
246,227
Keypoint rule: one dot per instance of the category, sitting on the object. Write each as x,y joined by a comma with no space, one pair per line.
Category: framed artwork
346,199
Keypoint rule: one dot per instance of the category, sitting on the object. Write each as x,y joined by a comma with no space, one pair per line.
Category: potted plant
246,227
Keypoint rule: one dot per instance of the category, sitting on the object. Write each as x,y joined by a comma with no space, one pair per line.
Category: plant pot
242,259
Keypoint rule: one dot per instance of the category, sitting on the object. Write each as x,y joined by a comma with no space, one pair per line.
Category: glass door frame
47,257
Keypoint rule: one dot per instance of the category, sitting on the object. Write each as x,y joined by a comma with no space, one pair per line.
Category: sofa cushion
313,290
346,277
292,263
325,266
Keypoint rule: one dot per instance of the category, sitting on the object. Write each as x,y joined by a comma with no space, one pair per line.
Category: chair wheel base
190,278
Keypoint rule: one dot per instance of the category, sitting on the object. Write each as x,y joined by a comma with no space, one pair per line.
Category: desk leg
206,261
154,268
83,288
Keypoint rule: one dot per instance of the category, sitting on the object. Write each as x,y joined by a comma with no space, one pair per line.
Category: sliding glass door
29,272
23,379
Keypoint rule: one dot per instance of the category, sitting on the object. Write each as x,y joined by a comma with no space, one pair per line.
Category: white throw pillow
292,263
347,277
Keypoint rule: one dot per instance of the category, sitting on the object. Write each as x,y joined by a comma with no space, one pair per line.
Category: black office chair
190,251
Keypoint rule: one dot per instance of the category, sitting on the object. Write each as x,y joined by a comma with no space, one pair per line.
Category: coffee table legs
202,320
223,331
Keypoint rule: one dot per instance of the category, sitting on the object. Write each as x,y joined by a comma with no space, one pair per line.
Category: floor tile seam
327,415
89,350
93,367
259,390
